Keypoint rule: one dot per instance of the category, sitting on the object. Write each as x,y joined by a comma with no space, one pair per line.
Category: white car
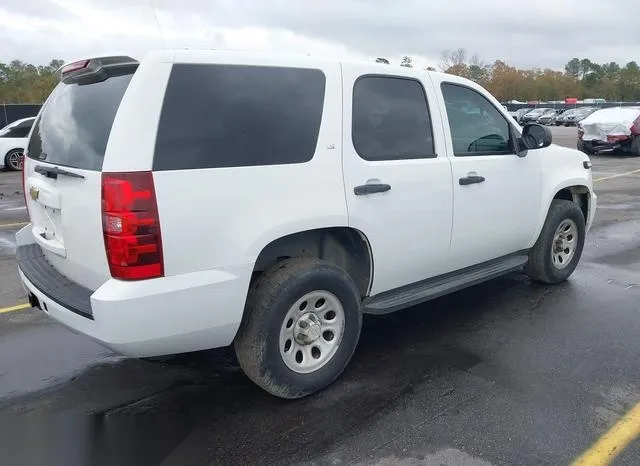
13,140
201,199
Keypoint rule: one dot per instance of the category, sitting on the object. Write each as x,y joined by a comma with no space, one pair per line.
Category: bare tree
451,58
475,61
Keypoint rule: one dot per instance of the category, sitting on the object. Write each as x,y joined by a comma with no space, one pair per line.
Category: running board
416,293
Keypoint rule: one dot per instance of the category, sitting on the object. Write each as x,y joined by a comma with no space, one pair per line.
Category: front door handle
471,179
371,188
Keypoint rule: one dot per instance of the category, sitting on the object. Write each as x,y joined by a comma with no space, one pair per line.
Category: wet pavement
508,372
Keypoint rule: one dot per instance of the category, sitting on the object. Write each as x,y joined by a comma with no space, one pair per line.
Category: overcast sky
540,33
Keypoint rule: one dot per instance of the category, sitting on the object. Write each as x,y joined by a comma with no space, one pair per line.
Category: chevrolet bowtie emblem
34,193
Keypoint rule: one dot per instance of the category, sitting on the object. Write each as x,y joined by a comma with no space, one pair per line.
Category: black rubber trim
53,172
52,283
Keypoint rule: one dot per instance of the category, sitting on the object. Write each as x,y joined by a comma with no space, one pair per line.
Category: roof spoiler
95,69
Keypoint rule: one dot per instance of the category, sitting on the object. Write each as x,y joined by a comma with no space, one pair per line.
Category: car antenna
155,16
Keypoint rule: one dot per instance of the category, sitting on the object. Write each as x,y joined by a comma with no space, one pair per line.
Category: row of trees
25,83
581,78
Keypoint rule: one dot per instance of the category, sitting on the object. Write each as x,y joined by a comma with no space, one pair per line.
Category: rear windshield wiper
53,172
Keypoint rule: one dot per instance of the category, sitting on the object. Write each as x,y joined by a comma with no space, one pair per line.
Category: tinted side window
477,127
237,116
21,130
391,119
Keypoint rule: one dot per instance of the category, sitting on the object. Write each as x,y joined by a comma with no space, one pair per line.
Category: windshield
75,123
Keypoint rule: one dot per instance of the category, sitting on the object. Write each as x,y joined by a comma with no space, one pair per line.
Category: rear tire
557,252
300,327
14,159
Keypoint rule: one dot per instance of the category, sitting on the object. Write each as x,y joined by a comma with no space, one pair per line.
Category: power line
155,16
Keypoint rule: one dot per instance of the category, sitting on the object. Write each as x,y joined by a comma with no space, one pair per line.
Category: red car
611,129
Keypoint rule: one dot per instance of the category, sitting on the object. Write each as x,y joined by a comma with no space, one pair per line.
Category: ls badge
34,193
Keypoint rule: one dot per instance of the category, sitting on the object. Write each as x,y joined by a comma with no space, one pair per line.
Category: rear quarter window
216,116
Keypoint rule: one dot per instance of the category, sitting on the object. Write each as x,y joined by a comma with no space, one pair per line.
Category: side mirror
535,136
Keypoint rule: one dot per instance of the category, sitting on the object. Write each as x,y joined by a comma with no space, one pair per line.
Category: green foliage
582,78
25,83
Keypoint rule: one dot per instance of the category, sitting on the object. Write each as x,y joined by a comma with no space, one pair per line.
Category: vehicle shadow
201,409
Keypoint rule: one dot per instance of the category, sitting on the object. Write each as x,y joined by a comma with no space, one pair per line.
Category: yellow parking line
19,307
10,225
611,444
617,176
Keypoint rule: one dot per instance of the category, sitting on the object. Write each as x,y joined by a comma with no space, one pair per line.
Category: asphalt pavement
505,373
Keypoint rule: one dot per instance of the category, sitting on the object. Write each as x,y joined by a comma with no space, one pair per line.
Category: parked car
13,140
560,120
578,115
611,129
274,207
520,113
533,115
549,119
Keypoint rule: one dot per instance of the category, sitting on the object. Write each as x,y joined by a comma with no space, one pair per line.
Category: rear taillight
635,127
131,226
75,66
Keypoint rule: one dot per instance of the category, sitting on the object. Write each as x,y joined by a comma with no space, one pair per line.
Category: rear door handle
371,188
471,179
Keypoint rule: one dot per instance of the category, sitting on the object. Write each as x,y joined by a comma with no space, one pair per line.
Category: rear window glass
74,126
217,116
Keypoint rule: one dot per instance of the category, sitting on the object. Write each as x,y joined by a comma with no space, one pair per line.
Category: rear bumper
50,282
167,315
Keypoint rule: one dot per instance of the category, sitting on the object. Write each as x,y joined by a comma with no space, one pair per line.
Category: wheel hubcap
564,245
312,331
16,159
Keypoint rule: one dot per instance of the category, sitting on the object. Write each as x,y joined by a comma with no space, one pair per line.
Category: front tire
14,159
300,327
557,252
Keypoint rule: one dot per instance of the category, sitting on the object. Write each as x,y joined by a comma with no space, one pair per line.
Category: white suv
200,199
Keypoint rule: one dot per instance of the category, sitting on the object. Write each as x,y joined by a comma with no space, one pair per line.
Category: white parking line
618,175
7,243
13,225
